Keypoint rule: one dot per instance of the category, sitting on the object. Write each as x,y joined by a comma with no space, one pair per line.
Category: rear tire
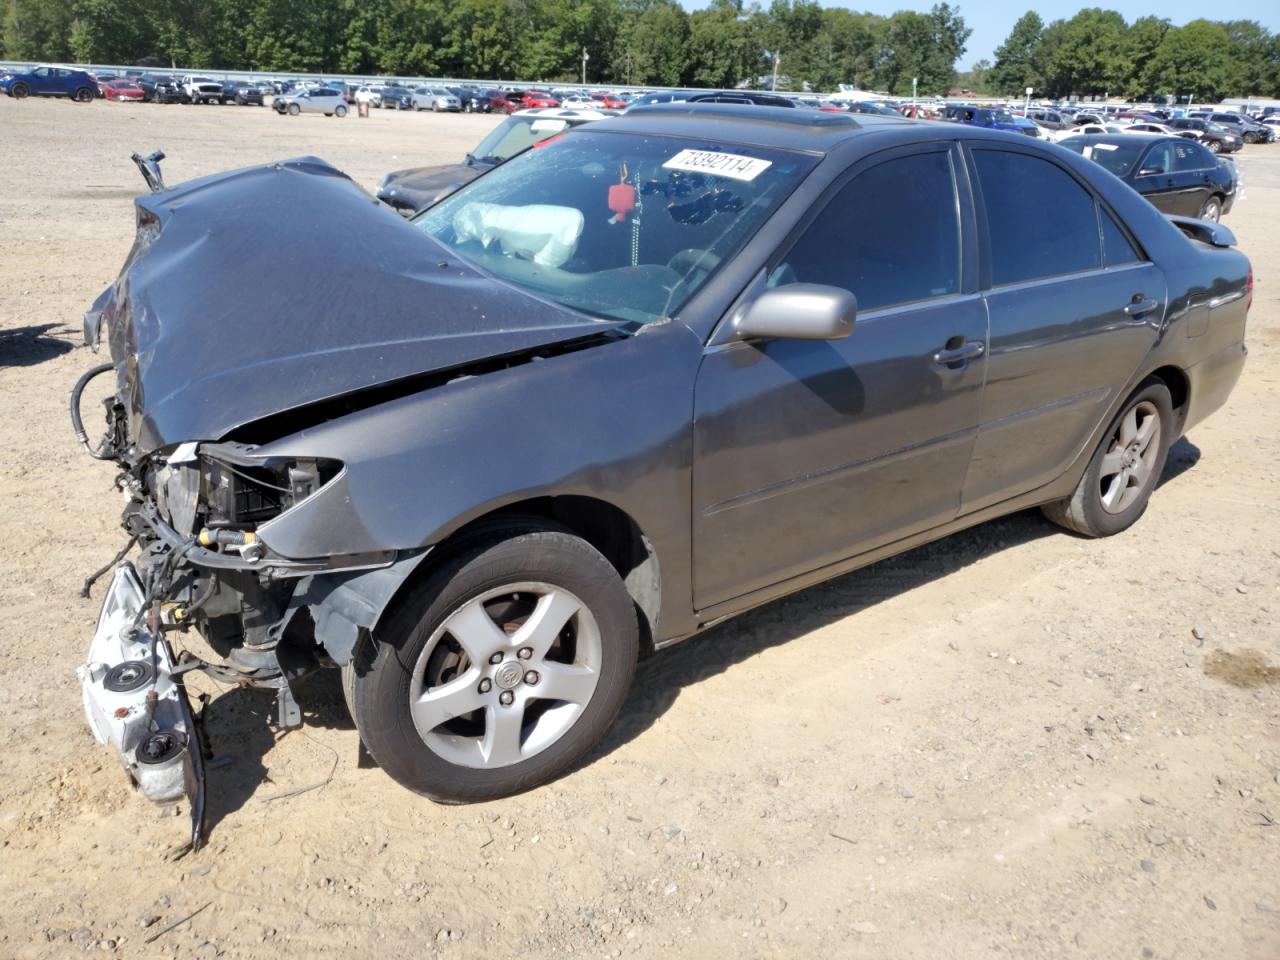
1124,470
82,95
1212,210
432,707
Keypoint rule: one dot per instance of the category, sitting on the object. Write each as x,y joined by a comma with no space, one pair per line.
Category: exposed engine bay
192,512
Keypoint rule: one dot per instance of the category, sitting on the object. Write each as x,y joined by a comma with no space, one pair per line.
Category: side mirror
799,311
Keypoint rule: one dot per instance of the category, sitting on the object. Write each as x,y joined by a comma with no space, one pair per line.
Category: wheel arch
605,526
1179,385
345,606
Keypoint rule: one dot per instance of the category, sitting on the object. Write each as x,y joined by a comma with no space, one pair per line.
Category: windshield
1119,158
516,135
619,226
1002,116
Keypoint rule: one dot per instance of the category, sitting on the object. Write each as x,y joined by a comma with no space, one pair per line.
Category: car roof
1119,138
780,127
567,113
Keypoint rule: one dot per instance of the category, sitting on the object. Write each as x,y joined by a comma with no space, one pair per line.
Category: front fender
611,422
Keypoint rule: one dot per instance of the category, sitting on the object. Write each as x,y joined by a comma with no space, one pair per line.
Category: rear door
1192,176
808,452
1074,306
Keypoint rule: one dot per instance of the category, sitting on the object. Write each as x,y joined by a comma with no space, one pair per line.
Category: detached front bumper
137,706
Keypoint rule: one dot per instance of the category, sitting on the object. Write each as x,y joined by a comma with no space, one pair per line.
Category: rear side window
1117,249
890,236
1041,222
1188,156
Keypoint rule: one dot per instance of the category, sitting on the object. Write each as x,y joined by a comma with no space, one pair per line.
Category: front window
619,226
1002,116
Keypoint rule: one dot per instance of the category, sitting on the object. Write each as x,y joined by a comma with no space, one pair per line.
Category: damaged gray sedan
604,397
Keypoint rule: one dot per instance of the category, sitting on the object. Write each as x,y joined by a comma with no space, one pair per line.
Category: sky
991,22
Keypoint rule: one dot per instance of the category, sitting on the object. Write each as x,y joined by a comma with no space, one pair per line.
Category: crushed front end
200,581
265,546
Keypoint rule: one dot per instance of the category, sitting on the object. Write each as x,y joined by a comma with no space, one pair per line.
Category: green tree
1141,42
923,46
1091,56
720,49
1193,60
1253,50
654,43
38,30
1015,67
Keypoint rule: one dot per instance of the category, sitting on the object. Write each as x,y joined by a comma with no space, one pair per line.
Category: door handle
966,351
1139,306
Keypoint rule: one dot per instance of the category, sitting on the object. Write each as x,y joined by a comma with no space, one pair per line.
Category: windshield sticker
1106,146
548,125
729,165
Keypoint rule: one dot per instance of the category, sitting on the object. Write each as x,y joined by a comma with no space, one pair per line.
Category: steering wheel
685,262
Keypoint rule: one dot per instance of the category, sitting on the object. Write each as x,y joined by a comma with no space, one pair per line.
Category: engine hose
76,422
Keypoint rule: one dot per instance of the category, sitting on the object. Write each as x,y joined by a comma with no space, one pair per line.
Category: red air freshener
622,200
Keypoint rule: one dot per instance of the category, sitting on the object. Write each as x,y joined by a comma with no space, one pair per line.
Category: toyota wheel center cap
509,675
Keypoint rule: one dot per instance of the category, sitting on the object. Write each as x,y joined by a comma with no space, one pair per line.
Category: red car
121,89
917,112
535,99
609,101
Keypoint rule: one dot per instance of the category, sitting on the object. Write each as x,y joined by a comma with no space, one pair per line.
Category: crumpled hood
278,286
418,187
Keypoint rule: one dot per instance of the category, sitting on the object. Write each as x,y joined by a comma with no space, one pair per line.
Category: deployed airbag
546,234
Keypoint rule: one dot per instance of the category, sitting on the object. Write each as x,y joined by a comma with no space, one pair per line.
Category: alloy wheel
1129,463
506,675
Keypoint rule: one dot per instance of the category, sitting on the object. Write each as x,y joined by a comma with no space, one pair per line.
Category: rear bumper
136,706
1212,381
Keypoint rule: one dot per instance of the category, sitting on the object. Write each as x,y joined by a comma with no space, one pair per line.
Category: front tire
19,91
499,671
1215,146
294,110
1124,470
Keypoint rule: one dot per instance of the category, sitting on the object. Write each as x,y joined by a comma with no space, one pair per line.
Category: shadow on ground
240,732
660,679
28,346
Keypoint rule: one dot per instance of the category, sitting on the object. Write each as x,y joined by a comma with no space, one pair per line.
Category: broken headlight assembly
221,492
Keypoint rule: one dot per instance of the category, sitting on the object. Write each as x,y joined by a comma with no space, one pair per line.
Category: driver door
807,452
42,81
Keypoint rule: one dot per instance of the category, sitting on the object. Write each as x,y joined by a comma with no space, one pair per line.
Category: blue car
51,82
989,117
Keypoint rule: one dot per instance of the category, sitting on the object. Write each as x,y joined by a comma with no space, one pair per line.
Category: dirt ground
1010,743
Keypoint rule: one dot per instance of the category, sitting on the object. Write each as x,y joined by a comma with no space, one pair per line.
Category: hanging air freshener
622,198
